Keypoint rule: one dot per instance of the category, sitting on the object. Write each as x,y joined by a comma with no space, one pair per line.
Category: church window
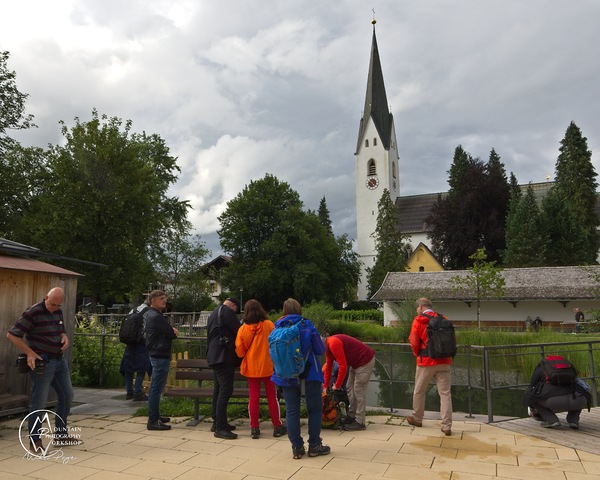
366,143
375,142
393,169
371,168
421,269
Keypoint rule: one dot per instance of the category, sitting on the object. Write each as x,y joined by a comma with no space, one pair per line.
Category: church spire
376,104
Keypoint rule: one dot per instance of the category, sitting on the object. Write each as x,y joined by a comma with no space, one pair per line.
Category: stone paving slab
117,446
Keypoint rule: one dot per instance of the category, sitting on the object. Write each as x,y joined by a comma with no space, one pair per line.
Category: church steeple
376,104
376,164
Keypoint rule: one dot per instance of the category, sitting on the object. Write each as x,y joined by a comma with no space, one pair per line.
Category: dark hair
156,294
254,312
291,305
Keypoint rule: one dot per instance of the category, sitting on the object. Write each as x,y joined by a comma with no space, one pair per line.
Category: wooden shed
24,282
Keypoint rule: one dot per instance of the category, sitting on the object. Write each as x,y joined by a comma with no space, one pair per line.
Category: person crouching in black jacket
545,400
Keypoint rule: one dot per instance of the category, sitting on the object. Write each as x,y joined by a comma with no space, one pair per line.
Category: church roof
376,104
541,283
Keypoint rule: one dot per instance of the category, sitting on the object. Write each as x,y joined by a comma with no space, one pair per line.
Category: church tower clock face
372,182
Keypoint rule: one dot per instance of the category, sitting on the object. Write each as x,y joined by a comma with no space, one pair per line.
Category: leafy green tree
390,245
12,105
105,199
525,237
575,183
278,250
484,280
178,263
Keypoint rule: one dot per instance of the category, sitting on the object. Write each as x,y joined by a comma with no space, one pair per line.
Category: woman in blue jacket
310,384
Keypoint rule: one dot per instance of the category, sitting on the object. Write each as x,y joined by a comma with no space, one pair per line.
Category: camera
21,364
224,341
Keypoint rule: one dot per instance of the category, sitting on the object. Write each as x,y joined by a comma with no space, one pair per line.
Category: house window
371,168
421,269
366,143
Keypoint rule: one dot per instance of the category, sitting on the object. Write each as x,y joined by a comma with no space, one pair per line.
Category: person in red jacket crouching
428,368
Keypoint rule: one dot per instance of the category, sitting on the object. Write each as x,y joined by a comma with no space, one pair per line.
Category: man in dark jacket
222,329
159,336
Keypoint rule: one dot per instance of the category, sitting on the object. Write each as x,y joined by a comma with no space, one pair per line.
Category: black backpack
132,327
441,338
558,370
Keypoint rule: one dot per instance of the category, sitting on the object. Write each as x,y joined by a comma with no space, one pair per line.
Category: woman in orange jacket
252,344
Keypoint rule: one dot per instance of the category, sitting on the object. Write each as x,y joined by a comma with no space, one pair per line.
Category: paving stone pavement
118,446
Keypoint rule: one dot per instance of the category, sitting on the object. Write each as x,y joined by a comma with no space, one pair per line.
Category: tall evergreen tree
525,238
496,198
575,182
323,214
562,227
473,213
390,244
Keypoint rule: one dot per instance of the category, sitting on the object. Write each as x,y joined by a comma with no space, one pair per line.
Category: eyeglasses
55,304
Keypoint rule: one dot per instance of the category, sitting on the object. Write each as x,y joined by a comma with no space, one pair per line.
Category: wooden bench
18,402
198,371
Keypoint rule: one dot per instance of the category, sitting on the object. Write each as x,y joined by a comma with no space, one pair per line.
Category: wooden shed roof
30,264
542,283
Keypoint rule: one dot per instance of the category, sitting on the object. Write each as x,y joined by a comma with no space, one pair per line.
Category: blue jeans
160,370
139,382
314,405
57,376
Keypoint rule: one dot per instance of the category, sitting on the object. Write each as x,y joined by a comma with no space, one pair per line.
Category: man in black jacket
159,335
222,329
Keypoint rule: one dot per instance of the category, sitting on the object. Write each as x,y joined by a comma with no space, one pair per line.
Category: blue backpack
286,351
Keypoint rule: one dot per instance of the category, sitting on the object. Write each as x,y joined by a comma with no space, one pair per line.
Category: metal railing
485,373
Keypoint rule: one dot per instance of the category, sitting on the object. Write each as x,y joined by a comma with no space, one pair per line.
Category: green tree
390,244
178,264
105,199
278,250
12,105
575,183
483,280
525,237
323,214
562,228
472,214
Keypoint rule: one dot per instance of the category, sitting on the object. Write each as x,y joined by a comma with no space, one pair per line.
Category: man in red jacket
355,360
428,369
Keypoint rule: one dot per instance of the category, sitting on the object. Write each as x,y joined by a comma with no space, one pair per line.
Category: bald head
54,299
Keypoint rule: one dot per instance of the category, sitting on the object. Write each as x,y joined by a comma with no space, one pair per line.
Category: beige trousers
357,385
443,381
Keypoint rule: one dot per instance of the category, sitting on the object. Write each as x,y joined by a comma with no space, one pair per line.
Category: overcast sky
240,88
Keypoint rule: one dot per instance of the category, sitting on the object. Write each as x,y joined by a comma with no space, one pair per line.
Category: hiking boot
141,397
225,434
128,395
158,425
574,425
298,452
227,427
165,419
447,431
280,431
319,449
355,426
348,420
550,424
411,420
36,447
255,433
